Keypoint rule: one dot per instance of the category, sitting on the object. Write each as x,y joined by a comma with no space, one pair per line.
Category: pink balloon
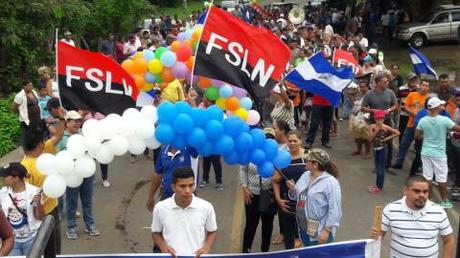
180,70
239,92
253,117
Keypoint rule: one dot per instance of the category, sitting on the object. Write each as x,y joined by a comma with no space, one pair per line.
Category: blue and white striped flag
317,75
421,63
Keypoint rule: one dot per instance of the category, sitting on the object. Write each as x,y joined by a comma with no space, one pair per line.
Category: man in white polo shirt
415,224
184,224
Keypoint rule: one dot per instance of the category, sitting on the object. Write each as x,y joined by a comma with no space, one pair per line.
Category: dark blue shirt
424,112
167,162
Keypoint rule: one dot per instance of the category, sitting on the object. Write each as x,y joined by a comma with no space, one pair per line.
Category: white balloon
104,155
118,145
108,128
54,186
128,128
114,121
152,143
136,146
85,166
144,129
150,112
253,117
76,145
64,162
73,179
132,114
90,127
92,143
46,164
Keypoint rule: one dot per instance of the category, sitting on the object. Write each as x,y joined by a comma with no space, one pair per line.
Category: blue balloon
214,129
166,112
282,159
168,58
181,36
214,112
270,148
149,55
243,141
183,124
188,34
233,125
258,137
206,150
232,158
164,133
246,103
244,158
200,117
150,77
226,91
224,145
179,142
183,107
244,127
197,138
266,169
257,156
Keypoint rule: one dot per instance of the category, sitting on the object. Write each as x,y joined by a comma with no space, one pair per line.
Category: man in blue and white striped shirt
415,224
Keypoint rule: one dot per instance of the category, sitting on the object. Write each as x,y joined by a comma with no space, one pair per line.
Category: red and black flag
92,81
232,51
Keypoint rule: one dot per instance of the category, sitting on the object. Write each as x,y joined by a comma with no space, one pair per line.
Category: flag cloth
94,82
421,63
343,58
235,52
316,75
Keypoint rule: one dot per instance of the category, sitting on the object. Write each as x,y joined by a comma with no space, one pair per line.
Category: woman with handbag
286,211
318,196
259,203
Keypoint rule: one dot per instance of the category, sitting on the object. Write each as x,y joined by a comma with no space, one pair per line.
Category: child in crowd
380,133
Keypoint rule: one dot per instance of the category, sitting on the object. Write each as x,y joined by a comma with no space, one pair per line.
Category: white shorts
435,166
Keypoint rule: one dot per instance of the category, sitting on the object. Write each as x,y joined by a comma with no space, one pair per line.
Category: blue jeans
21,249
347,107
85,190
406,141
306,239
380,160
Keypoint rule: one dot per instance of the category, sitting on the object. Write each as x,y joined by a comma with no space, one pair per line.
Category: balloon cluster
207,131
101,140
164,64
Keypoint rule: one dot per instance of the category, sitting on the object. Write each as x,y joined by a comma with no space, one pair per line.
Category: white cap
72,115
435,102
282,15
372,51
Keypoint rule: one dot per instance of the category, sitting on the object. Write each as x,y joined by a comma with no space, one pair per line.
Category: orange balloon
175,45
140,66
163,85
196,35
138,55
189,63
232,103
204,82
140,81
128,66
188,42
167,75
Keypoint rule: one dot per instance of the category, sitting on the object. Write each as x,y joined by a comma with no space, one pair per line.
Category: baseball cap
67,33
13,169
269,131
72,115
372,51
379,114
412,76
435,102
317,155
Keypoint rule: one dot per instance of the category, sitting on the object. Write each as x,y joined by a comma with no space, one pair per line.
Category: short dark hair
32,139
53,103
26,81
283,126
415,179
182,173
443,76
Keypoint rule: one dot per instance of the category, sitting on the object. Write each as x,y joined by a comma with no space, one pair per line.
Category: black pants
289,228
53,246
417,161
252,221
389,153
320,114
216,164
402,126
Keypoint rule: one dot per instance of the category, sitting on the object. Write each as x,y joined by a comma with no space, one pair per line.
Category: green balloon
158,80
212,93
159,52
195,46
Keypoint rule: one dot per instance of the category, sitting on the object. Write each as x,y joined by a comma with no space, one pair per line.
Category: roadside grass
180,11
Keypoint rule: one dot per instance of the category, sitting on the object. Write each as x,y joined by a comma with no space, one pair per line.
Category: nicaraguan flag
421,63
247,14
317,75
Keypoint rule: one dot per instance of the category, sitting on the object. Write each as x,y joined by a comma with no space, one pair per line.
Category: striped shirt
284,113
414,233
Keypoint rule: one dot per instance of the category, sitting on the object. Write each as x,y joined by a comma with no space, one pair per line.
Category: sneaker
203,184
374,190
446,204
220,187
92,231
77,214
71,233
106,183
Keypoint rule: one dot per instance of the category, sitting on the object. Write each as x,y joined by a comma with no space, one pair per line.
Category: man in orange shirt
412,104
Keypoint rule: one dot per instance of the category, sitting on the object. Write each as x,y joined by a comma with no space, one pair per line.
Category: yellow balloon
147,86
155,66
241,113
220,102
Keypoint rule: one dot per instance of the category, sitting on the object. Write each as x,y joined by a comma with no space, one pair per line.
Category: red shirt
320,101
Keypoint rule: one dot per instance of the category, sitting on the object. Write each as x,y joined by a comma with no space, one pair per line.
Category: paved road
123,220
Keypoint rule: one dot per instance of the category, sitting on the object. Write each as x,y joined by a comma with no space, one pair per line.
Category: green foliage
10,130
